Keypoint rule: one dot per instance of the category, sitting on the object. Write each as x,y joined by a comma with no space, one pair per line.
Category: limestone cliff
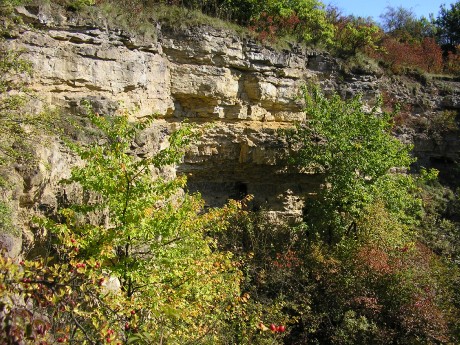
206,75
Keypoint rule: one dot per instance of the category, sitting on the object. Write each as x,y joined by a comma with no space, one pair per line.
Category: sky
373,8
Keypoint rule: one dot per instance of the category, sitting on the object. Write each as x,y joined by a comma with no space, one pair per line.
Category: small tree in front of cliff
355,151
155,242
131,262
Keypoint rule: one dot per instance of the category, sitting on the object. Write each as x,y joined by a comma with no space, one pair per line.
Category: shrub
304,19
426,55
453,61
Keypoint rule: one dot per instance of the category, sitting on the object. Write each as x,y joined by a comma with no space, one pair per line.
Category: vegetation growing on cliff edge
13,96
136,261
405,42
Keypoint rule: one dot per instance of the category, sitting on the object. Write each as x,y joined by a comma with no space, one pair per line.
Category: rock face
247,91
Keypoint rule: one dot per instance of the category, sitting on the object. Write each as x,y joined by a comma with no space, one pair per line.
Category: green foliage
410,42
362,63
136,260
12,100
305,19
19,127
155,240
439,229
74,5
367,277
381,288
403,24
448,23
356,152
355,34
131,261
5,218
355,271
79,4
8,4
271,259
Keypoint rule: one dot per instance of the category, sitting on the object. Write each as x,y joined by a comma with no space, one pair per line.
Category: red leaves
286,260
453,61
273,26
375,259
426,55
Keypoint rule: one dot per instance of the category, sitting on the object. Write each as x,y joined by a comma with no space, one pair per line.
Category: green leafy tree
307,20
448,23
396,19
155,240
355,151
361,276
402,23
355,34
131,262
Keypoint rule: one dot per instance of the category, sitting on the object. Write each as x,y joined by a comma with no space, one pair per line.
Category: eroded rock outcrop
246,90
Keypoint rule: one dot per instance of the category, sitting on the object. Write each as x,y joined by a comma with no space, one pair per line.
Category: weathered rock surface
247,90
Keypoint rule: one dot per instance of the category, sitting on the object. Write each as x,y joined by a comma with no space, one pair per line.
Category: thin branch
81,328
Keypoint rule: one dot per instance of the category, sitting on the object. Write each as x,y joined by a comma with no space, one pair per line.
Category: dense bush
399,56
379,288
304,19
355,151
420,43
453,61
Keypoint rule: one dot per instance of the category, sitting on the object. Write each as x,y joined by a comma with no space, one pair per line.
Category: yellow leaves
148,211
378,227
68,290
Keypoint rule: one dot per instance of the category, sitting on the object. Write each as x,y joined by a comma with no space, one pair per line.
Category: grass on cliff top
137,19
143,19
